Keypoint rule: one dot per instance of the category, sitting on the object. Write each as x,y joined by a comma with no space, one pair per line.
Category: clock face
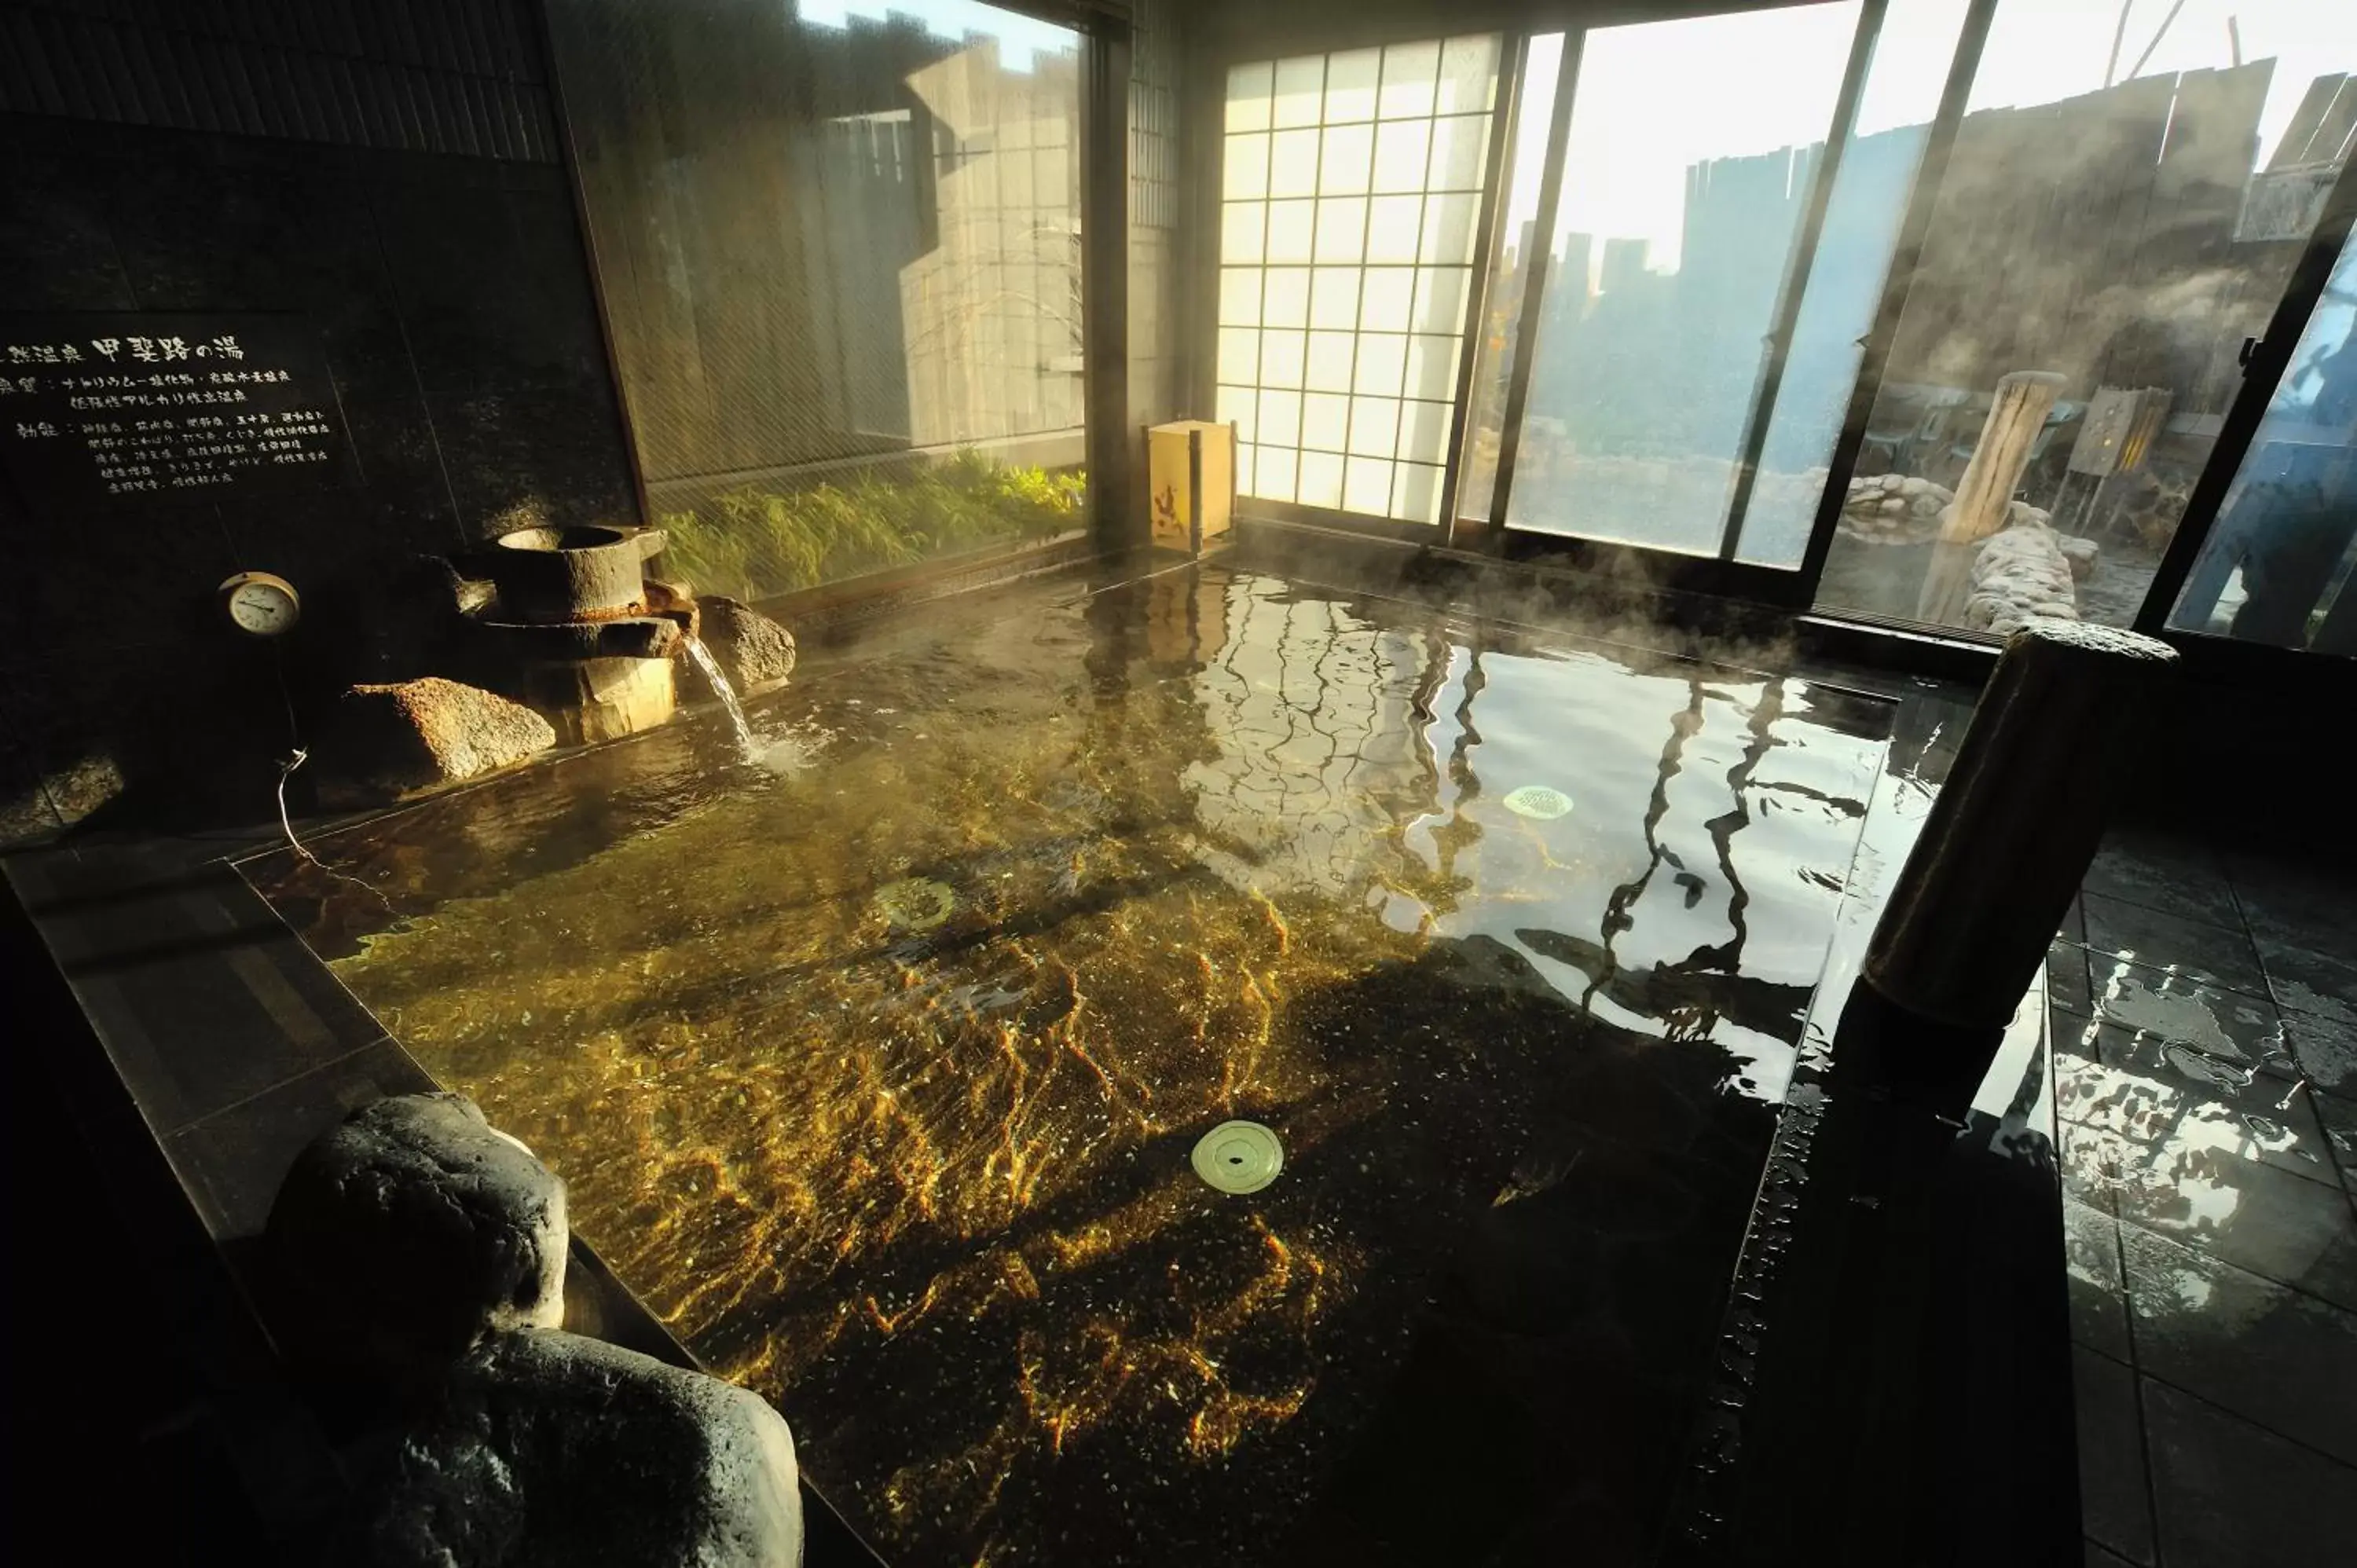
261,605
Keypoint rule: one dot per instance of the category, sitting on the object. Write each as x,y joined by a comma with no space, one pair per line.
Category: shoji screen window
1351,192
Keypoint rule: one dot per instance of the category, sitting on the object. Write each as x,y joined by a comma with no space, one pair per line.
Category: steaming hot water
883,1081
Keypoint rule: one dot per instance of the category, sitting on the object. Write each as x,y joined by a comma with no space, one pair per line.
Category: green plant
752,542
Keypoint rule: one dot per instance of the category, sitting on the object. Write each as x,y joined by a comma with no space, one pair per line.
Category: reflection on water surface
877,1072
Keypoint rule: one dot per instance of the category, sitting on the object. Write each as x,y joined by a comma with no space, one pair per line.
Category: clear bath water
876,1066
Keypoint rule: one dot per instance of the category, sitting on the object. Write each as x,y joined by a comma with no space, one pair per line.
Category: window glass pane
1388,296
1334,298
2125,239
1240,231
1350,156
1285,297
1239,355
1290,227
1325,421
1279,418
1300,91
1469,73
902,287
1240,290
1272,471
1458,149
1395,224
1424,432
1526,166
1382,358
1869,199
1341,228
1246,456
1293,163
1321,479
1374,426
1239,405
1401,147
1677,212
1432,367
1367,485
1351,81
1343,171
1248,91
1415,493
1247,171
1448,223
1330,361
1440,298
1409,72
1280,359
2277,565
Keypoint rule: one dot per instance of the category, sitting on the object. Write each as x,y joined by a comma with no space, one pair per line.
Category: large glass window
1351,195
2277,565
1684,182
839,249
2122,205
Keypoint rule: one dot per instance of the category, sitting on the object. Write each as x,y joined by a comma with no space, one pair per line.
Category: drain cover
1538,800
1239,1156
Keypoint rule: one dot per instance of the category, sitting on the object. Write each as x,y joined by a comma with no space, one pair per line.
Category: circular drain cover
1239,1156
1538,800
915,903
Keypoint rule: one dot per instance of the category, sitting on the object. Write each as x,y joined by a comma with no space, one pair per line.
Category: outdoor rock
551,1449
756,652
2081,554
2020,573
413,734
416,1228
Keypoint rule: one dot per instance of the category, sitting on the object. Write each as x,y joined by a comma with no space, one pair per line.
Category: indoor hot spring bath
878,1066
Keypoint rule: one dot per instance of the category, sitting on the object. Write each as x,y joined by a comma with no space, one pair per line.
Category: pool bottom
881,1078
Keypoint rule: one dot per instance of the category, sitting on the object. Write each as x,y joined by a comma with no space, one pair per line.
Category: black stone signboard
108,409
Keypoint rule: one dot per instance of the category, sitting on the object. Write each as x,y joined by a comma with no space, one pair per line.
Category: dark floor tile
2115,1504
2102,1557
2144,1088
2091,1241
2188,1012
2232,1493
2323,1051
2339,1119
2171,874
2214,953
2268,1354
2286,1228
2066,977
2291,901
231,1161
2303,979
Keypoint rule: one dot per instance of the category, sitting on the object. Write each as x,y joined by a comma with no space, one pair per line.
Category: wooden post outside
1985,495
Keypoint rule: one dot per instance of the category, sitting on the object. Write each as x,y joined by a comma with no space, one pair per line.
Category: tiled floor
2206,1073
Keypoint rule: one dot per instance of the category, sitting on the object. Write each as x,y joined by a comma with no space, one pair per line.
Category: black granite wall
449,288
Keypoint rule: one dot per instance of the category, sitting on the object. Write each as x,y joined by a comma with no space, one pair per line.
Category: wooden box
1190,479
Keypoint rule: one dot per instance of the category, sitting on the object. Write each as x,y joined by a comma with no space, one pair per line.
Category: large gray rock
551,1451
755,651
413,1228
415,734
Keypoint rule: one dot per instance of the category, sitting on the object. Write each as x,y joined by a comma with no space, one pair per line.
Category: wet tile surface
2302,979
2214,953
2254,1215
2167,873
2230,1492
2324,1050
2268,1354
2181,1010
2115,1503
2175,1097
2099,1321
